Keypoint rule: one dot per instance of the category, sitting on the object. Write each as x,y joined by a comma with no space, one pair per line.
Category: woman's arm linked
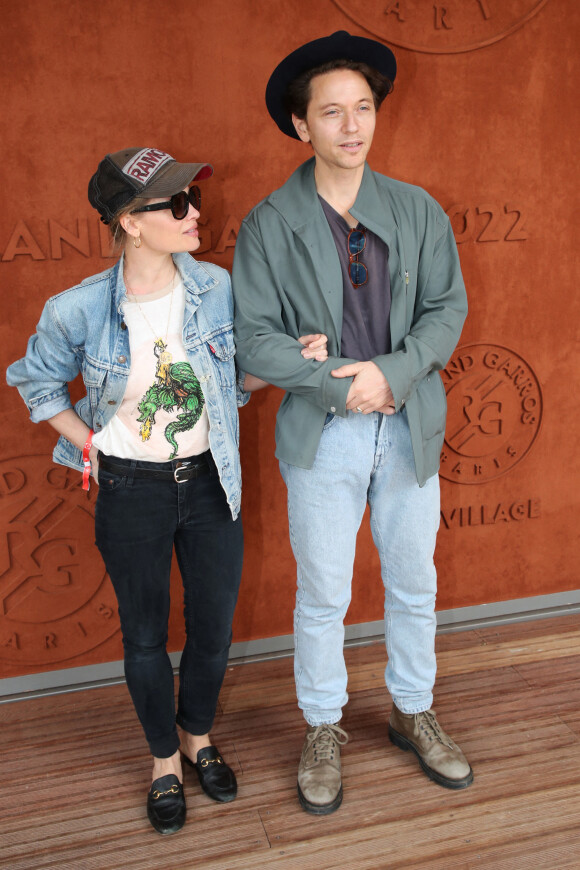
315,347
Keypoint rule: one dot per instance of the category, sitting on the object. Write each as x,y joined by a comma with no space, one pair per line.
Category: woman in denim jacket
158,428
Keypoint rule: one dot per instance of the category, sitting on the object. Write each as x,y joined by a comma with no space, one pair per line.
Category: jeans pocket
109,481
330,419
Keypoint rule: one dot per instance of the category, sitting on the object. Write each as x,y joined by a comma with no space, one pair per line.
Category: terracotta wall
484,115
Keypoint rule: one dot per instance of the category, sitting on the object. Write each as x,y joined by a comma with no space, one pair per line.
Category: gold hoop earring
137,241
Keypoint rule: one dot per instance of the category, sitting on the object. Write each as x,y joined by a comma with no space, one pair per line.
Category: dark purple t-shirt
366,309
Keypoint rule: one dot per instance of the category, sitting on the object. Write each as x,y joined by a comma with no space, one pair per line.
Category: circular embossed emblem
56,601
494,412
441,28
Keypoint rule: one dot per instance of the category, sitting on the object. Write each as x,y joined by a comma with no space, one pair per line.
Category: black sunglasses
179,203
358,272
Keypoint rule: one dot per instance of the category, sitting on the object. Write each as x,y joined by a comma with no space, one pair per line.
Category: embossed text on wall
450,27
56,601
49,240
494,412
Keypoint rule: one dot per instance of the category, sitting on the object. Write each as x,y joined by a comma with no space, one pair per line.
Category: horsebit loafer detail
441,758
216,778
166,804
319,771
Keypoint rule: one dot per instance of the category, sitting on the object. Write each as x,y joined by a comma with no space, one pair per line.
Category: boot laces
428,722
324,739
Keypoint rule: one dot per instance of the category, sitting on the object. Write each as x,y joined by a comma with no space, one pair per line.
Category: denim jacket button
121,359
111,402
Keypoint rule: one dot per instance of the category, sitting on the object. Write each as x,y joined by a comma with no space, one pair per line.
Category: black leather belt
178,469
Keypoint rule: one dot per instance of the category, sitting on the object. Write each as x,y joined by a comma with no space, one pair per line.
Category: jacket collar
373,209
195,277
297,201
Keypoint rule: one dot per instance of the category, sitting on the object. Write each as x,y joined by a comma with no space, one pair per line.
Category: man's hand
387,409
315,346
369,390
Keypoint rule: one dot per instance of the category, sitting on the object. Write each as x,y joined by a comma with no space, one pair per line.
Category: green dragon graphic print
176,387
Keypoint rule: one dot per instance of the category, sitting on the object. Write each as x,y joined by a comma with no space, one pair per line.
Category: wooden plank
461,834
540,674
510,653
123,838
76,770
572,721
516,630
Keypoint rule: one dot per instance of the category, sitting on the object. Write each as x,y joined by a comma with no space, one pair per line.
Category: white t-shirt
163,413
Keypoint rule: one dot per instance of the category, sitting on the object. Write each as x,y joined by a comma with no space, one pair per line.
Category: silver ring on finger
359,409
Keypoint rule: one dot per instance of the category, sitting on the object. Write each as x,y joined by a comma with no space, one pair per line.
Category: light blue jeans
362,458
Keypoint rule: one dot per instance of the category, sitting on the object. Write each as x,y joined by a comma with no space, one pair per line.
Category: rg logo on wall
56,601
494,412
441,28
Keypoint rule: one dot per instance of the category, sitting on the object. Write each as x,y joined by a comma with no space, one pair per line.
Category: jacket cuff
242,398
397,378
44,407
334,394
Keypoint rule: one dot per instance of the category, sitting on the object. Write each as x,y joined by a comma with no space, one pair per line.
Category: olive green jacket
287,282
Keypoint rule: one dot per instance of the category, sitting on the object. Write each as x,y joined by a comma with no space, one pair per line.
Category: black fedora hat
338,46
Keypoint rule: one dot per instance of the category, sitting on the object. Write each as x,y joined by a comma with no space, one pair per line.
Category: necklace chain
146,319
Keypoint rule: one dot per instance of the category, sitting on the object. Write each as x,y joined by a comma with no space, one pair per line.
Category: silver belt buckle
176,471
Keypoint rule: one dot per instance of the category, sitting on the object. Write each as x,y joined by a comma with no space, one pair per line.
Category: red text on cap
146,163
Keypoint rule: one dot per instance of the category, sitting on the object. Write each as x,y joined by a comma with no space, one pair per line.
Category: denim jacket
82,330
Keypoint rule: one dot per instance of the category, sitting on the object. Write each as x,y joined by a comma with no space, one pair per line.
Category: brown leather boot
441,758
319,781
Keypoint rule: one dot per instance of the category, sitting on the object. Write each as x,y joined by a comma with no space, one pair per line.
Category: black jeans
138,521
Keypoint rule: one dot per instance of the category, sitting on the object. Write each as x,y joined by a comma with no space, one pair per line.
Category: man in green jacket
372,263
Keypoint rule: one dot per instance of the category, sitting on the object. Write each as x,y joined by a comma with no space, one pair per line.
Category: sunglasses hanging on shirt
357,271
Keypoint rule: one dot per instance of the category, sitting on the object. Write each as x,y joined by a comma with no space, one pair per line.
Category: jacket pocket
222,350
93,377
432,403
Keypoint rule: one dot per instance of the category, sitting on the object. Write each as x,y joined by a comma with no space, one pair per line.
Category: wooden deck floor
75,771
